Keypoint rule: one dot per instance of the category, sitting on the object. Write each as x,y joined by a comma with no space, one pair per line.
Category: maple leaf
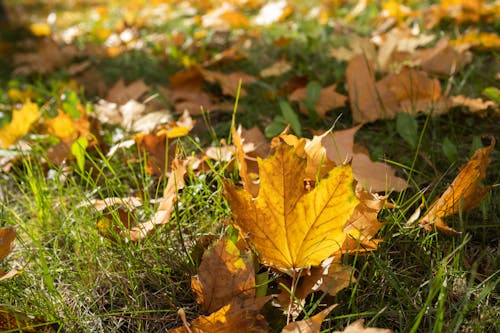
226,273
310,325
325,151
464,193
22,120
289,227
234,317
409,91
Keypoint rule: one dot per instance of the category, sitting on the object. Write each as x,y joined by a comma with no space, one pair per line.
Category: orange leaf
463,194
235,317
363,224
7,237
226,273
290,227
310,325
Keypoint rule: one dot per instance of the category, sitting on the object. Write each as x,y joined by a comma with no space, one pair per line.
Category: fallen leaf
164,211
235,317
48,57
246,178
66,128
7,237
226,273
479,40
442,59
375,176
121,93
289,227
272,12
277,69
330,277
328,100
475,105
363,224
224,17
363,95
409,91
159,148
464,193
229,82
22,120
358,327
310,325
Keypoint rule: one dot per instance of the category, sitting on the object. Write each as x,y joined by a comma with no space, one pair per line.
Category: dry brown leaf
121,93
363,224
340,146
48,57
162,215
330,277
159,148
358,327
7,237
290,227
475,105
229,82
226,273
363,95
235,317
310,325
277,69
375,176
407,91
246,178
410,91
442,59
328,100
464,193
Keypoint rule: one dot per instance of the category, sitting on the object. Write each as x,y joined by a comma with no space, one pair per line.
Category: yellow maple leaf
22,120
289,227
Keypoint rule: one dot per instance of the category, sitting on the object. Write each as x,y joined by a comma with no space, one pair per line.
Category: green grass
76,280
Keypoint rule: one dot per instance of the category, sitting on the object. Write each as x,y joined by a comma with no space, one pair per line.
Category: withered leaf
310,325
234,317
7,237
226,273
464,193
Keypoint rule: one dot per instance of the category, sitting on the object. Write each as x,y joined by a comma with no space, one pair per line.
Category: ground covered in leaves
249,166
